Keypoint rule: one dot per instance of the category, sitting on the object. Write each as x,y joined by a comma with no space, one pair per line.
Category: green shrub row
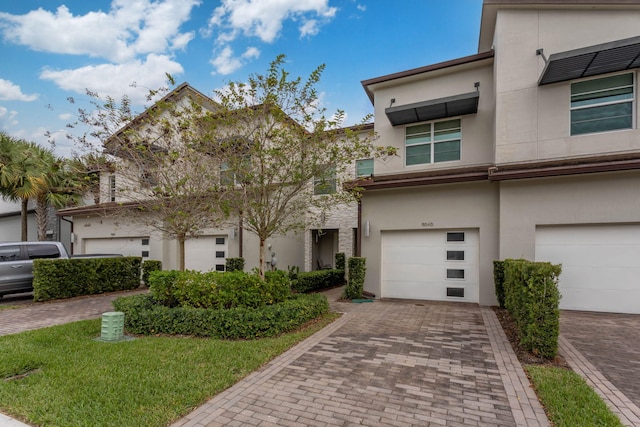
532,297
234,264
355,284
312,281
66,278
498,280
147,267
218,290
144,316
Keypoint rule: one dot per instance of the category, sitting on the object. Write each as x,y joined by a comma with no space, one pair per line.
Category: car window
43,251
9,253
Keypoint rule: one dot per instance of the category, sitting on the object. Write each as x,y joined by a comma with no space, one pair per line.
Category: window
219,240
234,174
455,273
364,167
9,253
227,176
145,242
455,255
145,254
455,236
112,188
219,267
603,104
219,254
433,142
43,251
325,184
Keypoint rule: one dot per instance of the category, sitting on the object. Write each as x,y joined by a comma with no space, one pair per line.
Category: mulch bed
525,357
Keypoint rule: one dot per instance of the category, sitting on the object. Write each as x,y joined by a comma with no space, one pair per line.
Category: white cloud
65,116
116,79
362,7
130,28
226,63
7,118
309,28
9,91
264,18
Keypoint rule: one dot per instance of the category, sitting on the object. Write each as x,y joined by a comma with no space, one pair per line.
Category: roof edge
425,69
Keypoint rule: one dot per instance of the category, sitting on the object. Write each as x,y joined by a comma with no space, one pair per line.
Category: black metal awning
451,106
603,58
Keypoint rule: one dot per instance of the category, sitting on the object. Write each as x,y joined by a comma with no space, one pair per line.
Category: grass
60,376
568,399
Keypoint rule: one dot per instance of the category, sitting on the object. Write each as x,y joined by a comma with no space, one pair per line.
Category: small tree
279,153
164,178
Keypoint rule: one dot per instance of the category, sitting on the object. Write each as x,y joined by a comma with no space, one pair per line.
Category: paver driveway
387,363
605,349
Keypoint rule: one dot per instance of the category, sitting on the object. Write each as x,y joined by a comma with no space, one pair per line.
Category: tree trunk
181,240
261,267
23,219
42,218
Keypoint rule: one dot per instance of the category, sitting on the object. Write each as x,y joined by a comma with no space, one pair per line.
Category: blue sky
54,49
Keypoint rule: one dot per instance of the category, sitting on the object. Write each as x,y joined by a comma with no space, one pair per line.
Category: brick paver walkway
387,363
605,349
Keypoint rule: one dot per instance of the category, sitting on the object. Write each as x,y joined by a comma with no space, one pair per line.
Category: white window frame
432,142
631,100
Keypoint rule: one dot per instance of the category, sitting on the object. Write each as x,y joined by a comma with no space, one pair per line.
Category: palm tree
21,176
60,187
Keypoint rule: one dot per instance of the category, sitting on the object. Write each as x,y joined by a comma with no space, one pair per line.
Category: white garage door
127,246
600,265
430,265
206,253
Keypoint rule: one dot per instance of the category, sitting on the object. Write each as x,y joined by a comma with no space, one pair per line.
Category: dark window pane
457,236
219,254
43,251
455,274
145,254
601,119
145,242
418,154
219,240
455,255
219,267
9,253
455,292
446,151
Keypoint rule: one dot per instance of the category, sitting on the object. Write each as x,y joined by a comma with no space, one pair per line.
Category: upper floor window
603,104
364,167
112,188
433,142
325,183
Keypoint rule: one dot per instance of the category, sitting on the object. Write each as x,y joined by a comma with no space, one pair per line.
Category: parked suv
16,263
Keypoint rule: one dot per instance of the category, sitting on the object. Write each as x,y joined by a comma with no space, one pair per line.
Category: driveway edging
625,409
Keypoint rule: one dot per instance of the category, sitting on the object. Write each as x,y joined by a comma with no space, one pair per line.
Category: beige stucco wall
445,207
477,129
533,122
603,198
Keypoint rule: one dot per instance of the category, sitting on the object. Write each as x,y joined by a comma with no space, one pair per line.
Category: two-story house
528,149
103,227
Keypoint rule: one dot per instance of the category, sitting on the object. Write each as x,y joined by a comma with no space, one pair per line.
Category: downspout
359,231
71,239
240,237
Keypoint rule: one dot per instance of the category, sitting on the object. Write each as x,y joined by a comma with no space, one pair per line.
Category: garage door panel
206,253
600,265
127,246
414,265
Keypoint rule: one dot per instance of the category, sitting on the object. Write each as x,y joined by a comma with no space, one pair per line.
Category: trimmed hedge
498,280
144,316
532,297
340,261
218,290
234,264
66,278
147,267
311,281
355,284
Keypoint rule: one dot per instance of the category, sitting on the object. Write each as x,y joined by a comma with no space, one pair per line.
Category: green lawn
569,400
66,379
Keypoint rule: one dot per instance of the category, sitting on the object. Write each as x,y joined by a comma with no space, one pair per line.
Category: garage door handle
17,266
